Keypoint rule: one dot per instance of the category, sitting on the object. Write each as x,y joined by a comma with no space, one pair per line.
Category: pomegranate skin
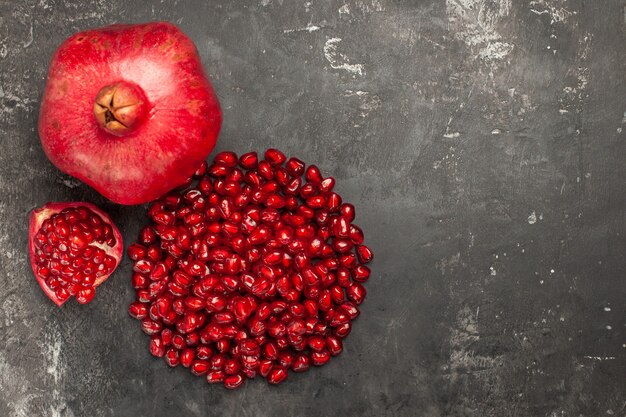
172,128
36,220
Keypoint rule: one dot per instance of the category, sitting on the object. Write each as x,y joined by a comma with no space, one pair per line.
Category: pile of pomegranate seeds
252,272
70,253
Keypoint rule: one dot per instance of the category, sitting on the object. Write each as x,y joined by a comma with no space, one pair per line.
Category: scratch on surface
69,182
363,7
368,102
448,133
600,358
308,28
16,391
495,51
18,102
448,264
11,253
574,95
371,6
475,23
51,350
338,60
555,9
29,41
463,359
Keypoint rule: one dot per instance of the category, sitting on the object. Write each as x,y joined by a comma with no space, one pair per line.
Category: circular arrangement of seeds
258,269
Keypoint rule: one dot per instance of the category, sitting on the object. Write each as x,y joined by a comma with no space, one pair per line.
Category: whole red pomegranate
128,110
74,247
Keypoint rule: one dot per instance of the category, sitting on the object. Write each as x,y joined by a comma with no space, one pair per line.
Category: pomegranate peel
65,239
128,110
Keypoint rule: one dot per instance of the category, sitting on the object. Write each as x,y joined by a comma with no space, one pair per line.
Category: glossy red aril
129,110
233,381
277,375
252,272
215,377
364,254
74,247
320,358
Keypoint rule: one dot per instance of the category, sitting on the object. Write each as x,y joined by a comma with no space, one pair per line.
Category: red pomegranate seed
286,358
334,345
277,375
172,357
151,327
356,235
249,361
316,202
339,318
248,273
215,377
302,363
233,381
293,186
265,170
295,167
307,190
361,273
327,185
201,170
342,245
187,357
325,301
232,366
341,227
203,352
337,294
316,343
313,174
343,329
350,309
228,159
250,373
348,260
276,329
138,310
320,358
192,339
265,366
275,157
249,160
249,347
356,293
199,367
364,254
348,212
136,252
156,346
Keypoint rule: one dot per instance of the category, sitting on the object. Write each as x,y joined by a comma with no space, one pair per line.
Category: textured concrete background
482,143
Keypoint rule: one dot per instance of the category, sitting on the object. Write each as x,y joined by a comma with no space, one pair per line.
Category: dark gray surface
482,143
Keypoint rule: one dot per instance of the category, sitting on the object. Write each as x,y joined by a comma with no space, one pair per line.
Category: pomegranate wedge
74,247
